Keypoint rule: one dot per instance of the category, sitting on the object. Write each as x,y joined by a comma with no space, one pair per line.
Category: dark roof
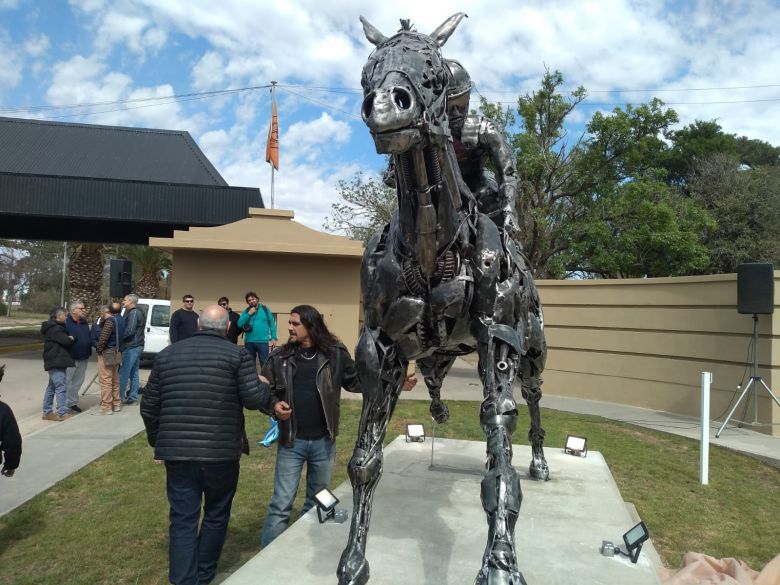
80,182
103,152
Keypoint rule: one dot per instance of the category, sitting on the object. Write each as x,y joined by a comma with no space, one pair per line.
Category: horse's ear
441,34
372,34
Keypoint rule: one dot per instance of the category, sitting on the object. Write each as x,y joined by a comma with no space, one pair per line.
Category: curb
22,347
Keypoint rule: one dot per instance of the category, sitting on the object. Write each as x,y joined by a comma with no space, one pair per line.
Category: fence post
704,460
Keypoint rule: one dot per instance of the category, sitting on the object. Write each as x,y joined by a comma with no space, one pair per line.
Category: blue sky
692,54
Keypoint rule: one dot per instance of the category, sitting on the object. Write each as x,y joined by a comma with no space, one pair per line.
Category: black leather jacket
333,373
135,325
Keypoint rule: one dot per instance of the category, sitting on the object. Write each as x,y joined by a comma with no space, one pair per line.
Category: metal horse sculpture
441,280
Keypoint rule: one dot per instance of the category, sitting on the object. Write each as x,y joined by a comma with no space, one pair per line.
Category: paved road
25,380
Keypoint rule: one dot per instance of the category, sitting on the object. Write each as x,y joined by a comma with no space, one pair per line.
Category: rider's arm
493,139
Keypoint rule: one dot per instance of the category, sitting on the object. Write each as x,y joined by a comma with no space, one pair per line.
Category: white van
158,319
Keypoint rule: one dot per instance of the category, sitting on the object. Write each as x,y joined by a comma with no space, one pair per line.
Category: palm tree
149,263
85,276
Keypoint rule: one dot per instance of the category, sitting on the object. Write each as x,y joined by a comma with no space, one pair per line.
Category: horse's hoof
539,470
353,569
439,412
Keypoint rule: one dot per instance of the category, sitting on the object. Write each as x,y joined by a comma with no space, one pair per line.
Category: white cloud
305,140
137,33
10,64
209,71
37,45
87,80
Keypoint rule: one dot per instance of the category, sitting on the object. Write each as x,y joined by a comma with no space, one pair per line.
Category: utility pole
64,264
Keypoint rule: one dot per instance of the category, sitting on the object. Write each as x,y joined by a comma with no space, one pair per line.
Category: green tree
642,228
566,185
35,271
148,265
366,205
745,204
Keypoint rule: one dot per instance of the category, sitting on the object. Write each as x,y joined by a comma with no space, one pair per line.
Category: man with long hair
306,376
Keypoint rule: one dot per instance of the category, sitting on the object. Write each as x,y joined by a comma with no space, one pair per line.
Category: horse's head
404,83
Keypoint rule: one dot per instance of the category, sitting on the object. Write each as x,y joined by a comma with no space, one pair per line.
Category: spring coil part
447,267
433,166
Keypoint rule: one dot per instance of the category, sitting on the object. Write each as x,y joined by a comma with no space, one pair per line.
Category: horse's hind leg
531,366
434,369
382,372
501,495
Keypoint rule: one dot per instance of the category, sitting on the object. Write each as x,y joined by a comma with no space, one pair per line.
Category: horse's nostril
367,107
402,98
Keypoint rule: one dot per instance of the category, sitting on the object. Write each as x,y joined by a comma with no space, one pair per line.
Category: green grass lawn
107,523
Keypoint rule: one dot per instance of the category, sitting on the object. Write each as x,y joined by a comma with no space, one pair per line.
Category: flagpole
273,97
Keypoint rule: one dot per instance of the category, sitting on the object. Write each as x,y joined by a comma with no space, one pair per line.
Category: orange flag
272,147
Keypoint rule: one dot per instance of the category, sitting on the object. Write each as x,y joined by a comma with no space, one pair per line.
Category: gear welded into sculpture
444,278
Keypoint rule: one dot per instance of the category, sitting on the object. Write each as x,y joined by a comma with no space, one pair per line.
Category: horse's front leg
434,369
501,495
382,371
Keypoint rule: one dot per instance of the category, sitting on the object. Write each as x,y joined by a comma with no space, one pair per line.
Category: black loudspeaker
755,288
121,274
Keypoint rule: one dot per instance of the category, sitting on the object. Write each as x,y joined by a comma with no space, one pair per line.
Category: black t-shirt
309,417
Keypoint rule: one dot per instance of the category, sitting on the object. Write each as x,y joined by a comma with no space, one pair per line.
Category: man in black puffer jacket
193,411
56,360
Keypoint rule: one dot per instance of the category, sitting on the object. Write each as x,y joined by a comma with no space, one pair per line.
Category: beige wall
645,342
331,284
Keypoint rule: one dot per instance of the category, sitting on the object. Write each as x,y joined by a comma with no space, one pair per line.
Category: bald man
193,411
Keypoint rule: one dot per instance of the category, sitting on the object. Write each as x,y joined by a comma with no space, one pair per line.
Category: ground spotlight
634,539
415,433
576,446
326,504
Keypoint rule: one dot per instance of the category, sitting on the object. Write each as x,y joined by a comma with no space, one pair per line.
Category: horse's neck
430,203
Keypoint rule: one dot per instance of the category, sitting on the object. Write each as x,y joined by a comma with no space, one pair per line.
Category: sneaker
65,416
129,402
117,408
104,411
76,408
51,416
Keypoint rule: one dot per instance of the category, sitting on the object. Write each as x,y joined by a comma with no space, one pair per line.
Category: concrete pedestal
428,526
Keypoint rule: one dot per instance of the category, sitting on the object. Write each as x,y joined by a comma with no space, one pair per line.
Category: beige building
642,342
270,253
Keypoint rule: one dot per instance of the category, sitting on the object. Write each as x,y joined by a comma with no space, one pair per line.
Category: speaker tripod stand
750,389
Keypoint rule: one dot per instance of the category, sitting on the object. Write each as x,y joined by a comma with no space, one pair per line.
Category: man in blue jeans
306,376
259,327
132,348
201,444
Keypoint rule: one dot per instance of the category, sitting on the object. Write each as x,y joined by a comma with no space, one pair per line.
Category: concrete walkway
55,451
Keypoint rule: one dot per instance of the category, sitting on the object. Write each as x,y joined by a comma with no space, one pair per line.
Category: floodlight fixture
326,504
634,539
577,446
415,433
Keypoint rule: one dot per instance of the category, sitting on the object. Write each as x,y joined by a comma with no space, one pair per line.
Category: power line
607,104
660,90
193,96
175,97
319,103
